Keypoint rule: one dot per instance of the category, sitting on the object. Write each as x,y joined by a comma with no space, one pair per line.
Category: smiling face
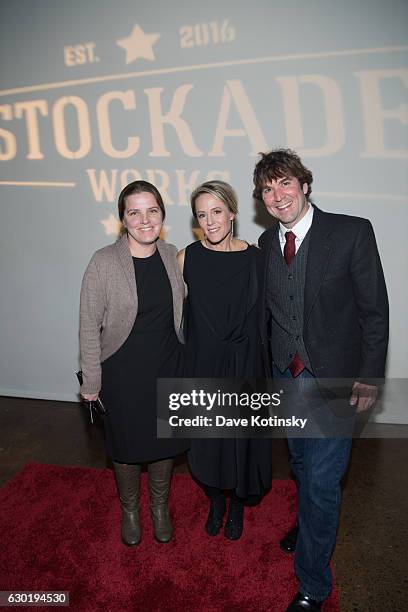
143,219
285,199
214,217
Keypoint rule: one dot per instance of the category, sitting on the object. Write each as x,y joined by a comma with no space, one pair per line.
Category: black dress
152,350
222,342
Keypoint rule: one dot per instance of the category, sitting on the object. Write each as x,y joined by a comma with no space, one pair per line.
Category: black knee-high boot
217,510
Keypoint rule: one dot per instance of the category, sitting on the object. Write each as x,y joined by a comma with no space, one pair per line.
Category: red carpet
59,530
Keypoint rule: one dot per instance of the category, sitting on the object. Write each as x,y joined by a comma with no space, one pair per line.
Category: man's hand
363,396
90,397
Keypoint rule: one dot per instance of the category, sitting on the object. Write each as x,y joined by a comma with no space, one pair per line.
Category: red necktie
289,249
296,366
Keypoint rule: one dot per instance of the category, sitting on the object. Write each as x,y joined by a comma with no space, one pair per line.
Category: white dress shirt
300,229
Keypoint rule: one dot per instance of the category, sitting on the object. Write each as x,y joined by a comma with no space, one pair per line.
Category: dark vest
285,303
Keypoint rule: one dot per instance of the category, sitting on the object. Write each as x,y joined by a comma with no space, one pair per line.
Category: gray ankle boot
159,485
128,480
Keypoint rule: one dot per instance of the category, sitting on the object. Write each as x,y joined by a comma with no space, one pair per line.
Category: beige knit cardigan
109,302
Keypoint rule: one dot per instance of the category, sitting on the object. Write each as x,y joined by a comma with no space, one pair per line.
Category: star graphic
138,45
112,225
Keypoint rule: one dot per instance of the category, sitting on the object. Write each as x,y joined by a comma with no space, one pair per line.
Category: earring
232,227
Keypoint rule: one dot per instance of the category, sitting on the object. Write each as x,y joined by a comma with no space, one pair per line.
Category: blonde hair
220,190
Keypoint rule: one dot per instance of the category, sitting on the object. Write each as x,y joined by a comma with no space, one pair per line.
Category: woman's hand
90,397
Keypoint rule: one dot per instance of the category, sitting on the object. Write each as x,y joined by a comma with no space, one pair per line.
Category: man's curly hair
277,164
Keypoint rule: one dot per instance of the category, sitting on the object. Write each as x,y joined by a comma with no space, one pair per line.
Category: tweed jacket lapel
126,261
318,259
317,262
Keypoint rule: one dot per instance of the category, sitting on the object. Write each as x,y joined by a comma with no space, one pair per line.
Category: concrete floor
371,561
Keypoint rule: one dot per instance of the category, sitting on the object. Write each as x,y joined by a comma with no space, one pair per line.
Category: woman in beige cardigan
130,332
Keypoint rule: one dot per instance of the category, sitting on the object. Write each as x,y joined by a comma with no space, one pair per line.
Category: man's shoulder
267,235
339,221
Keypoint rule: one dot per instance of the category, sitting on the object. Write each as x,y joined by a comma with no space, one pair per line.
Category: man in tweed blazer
324,314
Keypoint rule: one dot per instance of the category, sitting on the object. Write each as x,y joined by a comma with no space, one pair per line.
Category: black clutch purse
95,408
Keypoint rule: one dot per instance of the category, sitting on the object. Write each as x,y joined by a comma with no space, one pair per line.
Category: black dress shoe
288,543
304,602
215,515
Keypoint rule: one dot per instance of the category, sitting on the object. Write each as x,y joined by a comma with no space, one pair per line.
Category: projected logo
204,111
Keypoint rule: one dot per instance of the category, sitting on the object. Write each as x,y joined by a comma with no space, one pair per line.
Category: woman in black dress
131,309
222,342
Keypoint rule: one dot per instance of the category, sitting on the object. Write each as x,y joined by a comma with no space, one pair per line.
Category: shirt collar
300,229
